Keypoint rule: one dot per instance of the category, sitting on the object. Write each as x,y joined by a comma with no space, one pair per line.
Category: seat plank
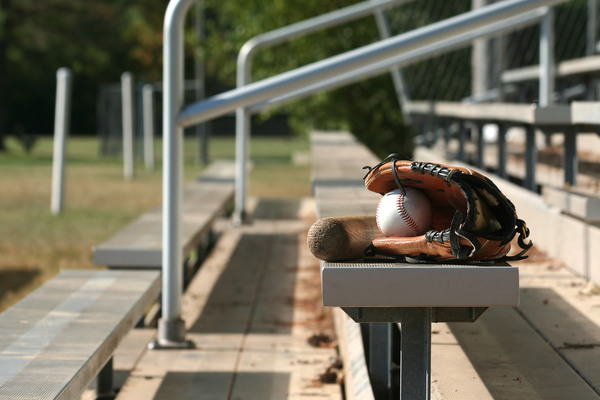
423,285
338,159
57,339
140,243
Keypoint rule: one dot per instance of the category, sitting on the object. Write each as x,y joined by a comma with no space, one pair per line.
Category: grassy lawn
34,244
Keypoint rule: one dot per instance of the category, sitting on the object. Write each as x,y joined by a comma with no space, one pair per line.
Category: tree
5,31
97,40
369,109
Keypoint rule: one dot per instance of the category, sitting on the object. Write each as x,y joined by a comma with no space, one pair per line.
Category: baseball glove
472,219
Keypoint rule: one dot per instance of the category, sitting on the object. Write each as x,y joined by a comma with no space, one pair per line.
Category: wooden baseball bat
342,238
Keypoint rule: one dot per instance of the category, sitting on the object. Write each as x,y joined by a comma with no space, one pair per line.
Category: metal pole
244,77
480,59
148,105
243,127
480,144
396,72
502,154
320,22
415,354
530,158
380,358
171,328
571,161
201,129
62,117
462,140
592,23
437,47
407,47
547,67
127,112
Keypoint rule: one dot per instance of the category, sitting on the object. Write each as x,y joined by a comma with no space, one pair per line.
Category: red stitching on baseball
377,215
405,216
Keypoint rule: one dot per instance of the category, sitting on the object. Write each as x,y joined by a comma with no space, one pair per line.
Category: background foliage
368,109
98,40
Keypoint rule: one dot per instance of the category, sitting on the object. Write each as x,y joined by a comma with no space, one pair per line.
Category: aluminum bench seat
139,244
338,158
381,294
57,339
550,120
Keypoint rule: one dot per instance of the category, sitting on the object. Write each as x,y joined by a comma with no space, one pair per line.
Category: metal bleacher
423,44
486,345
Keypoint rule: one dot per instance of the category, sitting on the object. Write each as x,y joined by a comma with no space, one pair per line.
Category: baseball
404,215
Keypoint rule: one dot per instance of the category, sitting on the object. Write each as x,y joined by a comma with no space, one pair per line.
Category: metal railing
281,35
370,60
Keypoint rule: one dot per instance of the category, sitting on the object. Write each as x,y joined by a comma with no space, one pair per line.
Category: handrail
289,32
363,57
171,328
364,73
244,75
407,44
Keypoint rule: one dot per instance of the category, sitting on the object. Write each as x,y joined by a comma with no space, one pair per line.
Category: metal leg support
480,145
386,348
570,158
502,156
415,355
104,382
530,158
462,140
380,359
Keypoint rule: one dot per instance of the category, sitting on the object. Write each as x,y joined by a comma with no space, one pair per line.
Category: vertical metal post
396,72
243,123
243,127
592,24
62,117
415,354
104,382
462,140
480,144
590,48
480,59
570,159
380,358
171,328
201,129
244,67
128,129
502,156
148,106
502,65
530,157
547,67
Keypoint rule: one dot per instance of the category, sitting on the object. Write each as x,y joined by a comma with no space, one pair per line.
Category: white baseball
404,215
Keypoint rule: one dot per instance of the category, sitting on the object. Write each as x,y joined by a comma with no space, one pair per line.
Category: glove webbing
393,158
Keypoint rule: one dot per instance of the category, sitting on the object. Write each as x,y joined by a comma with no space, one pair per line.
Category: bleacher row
63,335
540,349
570,203
58,339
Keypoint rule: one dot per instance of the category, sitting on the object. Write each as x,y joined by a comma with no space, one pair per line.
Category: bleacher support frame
336,71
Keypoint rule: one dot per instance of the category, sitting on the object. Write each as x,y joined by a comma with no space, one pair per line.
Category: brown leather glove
472,219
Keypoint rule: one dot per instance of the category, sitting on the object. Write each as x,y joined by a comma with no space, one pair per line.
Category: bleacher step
250,310
579,205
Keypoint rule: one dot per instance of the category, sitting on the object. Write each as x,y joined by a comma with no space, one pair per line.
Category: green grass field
34,244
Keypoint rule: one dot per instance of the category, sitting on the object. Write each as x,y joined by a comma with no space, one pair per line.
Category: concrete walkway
254,313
